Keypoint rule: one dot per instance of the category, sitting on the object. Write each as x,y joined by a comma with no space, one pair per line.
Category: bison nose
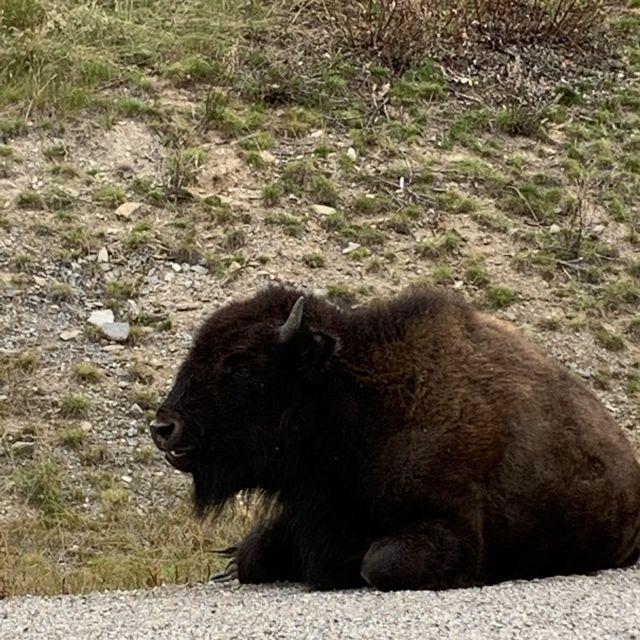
165,433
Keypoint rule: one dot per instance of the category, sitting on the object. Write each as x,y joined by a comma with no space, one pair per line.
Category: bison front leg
265,555
431,555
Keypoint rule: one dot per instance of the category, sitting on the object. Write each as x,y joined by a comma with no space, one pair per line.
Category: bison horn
293,321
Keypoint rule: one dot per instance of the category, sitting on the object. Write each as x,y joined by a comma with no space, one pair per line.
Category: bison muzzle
415,443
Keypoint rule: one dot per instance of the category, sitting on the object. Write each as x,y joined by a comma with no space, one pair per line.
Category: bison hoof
230,573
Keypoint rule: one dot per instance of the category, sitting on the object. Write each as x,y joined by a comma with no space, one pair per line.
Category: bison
415,443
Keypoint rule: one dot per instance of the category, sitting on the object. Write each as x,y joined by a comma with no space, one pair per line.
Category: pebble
101,317
127,209
116,331
72,334
23,449
103,255
323,209
352,246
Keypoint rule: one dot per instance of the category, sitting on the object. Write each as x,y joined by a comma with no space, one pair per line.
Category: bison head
239,395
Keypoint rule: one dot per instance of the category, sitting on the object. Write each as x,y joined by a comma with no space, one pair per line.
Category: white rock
352,246
101,317
352,153
555,229
86,427
176,267
116,331
103,255
198,268
127,479
65,336
323,209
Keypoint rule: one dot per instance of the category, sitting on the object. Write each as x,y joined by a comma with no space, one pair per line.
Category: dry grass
60,550
401,32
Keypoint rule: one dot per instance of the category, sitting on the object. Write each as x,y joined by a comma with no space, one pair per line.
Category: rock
198,268
322,209
40,281
65,336
555,229
112,348
137,410
86,427
127,209
116,331
133,309
176,267
103,255
101,317
598,230
352,246
23,449
352,153
127,479
267,157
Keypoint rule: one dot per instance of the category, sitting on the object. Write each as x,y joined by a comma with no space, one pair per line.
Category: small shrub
87,372
75,405
500,297
609,340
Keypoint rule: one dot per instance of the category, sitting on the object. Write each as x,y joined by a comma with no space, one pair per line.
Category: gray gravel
602,606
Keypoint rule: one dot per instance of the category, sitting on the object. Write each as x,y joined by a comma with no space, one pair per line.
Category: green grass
75,405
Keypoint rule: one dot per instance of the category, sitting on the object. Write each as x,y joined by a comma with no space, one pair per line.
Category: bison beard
413,444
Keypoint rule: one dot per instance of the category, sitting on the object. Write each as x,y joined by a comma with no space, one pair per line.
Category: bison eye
241,373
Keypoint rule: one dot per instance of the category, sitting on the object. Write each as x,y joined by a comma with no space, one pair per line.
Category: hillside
158,161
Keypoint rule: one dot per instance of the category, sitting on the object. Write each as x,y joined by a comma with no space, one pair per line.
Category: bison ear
312,351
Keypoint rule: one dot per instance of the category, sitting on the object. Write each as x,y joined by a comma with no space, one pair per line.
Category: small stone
127,209
103,255
112,348
554,229
133,309
323,209
116,331
127,479
198,268
86,427
176,267
187,306
137,410
352,246
23,449
40,281
352,153
267,157
72,334
101,317
598,230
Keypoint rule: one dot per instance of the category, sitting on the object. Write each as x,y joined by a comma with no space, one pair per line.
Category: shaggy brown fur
414,443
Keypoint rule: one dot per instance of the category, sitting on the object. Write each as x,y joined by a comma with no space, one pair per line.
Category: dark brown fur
415,443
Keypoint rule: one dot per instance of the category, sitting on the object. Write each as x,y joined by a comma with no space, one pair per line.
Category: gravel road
602,606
